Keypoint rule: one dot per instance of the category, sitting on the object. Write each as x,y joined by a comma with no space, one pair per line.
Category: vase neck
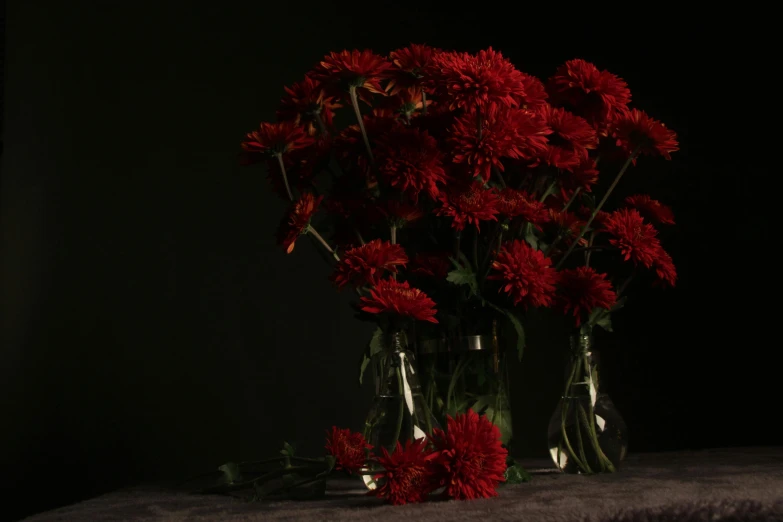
582,369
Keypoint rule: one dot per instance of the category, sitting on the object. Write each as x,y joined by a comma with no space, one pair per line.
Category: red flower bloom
505,133
636,239
466,80
472,460
527,276
350,149
304,102
567,223
570,140
533,92
651,209
363,70
583,176
405,104
390,296
297,220
411,65
366,264
409,159
399,213
273,138
635,129
433,264
581,289
664,268
348,449
408,475
468,204
595,95
513,203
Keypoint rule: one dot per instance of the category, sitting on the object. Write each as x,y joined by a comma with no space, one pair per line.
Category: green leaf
619,304
530,236
520,332
516,474
501,419
330,462
375,347
231,472
601,317
464,276
287,450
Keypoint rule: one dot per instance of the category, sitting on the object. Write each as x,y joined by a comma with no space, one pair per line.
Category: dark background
151,328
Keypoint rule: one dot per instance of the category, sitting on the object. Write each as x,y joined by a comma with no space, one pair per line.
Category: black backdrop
151,327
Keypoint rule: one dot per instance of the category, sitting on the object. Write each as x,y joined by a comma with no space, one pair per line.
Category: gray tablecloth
715,485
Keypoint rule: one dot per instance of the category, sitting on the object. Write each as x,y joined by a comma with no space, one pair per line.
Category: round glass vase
586,432
398,412
466,372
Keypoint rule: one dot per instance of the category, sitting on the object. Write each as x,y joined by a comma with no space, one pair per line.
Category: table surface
718,484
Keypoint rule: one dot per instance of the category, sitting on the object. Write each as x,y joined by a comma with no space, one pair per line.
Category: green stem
606,464
582,446
573,197
320,122
452,384
423,102
599,207
590,248
398,429
500,177
549,190
475,251
321,240
285,176
355,103
563,412
625,283
242,485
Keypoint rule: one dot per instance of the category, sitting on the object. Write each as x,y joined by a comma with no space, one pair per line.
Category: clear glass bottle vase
586,432
398,412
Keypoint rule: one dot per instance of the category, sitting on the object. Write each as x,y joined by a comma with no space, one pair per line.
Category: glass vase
466,372
586,432
398,412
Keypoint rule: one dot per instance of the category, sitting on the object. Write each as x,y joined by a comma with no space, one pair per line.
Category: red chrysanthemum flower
273,138
664,268
526,274
432,264
634,130
636,239
466,80
362,70
651,209
409,160
348,449
567,224
584,214
297,220
570,139
505,133
411,65
399,213
518,203
368,263
306,101
472,460
408,474
534,93
581,290
392,297
581,176
468,204
595,95
404,104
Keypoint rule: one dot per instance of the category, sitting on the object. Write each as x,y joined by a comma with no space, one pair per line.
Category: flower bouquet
454,193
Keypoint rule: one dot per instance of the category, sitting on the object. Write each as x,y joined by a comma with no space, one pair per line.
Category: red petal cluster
589,92
525,274
362,70
273,138
368,263
468,204
400,213
636,239
472,460
409,160
651,209
304,103
505,133
408,473
399,299
433,264
297,220
570,139
664,268
518,203
411,65
581,289
349,449
466,80
581,176
634,130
